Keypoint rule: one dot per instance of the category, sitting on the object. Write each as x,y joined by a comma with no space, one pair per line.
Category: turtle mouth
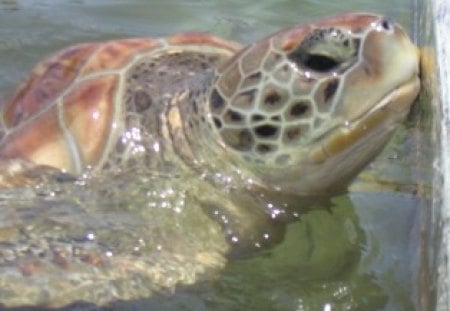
383,118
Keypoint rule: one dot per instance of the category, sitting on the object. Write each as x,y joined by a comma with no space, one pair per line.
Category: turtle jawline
390,111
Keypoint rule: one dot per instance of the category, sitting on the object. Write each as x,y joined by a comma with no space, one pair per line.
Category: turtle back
72,108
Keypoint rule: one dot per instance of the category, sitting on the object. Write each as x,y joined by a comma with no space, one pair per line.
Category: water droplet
156,147
90,236
165,204
276,212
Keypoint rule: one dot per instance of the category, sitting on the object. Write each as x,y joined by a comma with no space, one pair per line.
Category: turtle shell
63,115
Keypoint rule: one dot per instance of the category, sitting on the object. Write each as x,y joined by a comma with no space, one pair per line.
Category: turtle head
304,110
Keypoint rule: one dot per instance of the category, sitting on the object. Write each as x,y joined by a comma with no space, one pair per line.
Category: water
360,252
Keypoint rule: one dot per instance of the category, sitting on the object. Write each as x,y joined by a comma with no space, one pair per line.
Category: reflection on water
359,252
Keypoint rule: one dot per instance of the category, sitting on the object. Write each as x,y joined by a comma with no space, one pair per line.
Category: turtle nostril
386,24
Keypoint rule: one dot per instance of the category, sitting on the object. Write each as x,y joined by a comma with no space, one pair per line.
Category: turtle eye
325,50
320,63
314,61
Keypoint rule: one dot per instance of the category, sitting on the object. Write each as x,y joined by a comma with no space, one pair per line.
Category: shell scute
202,38
88,115
40,140
46,82
117,54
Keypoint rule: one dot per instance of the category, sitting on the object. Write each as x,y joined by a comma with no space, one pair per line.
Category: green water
361,252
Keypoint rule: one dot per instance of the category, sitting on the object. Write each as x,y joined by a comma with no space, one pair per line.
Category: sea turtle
221,141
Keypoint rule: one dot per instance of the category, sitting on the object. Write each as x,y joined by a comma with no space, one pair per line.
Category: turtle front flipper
246,226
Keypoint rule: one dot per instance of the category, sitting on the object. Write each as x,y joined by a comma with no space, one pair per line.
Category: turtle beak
389,61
